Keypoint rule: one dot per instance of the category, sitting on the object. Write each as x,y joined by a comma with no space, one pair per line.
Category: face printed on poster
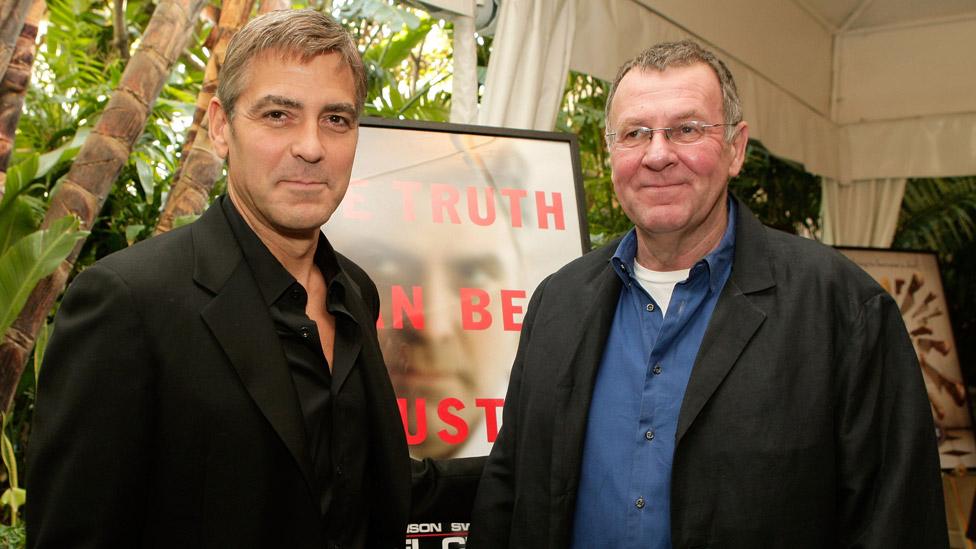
456,229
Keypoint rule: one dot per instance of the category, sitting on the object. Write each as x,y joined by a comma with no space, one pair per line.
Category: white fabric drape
529,64
464,87
863,163
928,146
861,213
608,32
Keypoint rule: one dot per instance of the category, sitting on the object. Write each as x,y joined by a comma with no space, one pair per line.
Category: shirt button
657,369
639,503
295,294
306,332
650,307
649,435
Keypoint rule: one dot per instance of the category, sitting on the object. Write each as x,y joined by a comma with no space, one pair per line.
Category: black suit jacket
166,416
805,421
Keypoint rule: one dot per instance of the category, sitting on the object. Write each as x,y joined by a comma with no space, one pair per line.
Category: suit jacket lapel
239,320
734,321
574,388
346,354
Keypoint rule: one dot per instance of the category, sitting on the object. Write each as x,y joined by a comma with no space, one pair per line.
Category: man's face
291,142
666,188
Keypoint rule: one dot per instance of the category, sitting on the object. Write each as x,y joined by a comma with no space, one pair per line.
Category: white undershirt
659,284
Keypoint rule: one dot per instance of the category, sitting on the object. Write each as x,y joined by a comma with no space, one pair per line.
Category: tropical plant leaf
29,260
14,496
40,346
145,173
67,151
380,12
938,214
390,53
20,213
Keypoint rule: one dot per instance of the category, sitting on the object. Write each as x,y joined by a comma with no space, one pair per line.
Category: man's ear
738,145
219,127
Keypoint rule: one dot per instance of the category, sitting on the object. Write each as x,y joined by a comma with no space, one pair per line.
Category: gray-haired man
706,381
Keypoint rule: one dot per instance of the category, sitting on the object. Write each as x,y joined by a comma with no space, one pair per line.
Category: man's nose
659,152
442,304
307,142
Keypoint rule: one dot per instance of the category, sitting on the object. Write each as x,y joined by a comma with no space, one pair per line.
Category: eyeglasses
686,133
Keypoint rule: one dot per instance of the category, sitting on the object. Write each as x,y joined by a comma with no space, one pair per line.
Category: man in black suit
222,385
705,381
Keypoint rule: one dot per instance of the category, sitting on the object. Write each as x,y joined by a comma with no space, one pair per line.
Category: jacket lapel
734,321
241,324
349,346
576,375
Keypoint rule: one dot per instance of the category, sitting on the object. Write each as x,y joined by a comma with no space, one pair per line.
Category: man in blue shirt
706,381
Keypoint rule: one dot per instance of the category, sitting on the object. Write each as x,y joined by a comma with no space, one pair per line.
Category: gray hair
682,54
303,33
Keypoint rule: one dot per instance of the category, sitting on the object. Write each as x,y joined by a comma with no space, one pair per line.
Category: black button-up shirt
286,299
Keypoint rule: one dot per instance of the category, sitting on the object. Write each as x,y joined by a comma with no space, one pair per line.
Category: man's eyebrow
347,108
686,115
276,100
693,113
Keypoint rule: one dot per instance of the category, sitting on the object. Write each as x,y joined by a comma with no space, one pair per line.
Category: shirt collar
716,261
272,278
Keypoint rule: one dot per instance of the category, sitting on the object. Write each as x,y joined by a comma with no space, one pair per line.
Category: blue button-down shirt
625,485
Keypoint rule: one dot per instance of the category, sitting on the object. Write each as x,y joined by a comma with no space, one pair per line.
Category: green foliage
75,72
30,259
14,496
938,214
20,213
379,11
407,59
778,191
582,114
13,537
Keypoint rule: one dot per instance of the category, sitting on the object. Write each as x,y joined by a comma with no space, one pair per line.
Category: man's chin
431,387
301,227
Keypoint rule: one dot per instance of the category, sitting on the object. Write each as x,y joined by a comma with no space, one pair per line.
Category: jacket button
649,435
650,307
657,369
639,503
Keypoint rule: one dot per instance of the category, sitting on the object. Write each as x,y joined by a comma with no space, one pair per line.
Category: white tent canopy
864,93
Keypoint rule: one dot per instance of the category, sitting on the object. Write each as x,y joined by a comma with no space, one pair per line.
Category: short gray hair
682,54
304,33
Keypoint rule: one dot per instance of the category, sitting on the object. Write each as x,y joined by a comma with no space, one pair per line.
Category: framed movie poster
457,225
913,279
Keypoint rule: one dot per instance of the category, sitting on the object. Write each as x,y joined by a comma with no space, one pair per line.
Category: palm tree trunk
201,166
95,169
120,35
13,87
12,15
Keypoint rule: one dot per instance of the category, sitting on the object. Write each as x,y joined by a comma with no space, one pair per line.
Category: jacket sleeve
890,491
89,453
492,516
